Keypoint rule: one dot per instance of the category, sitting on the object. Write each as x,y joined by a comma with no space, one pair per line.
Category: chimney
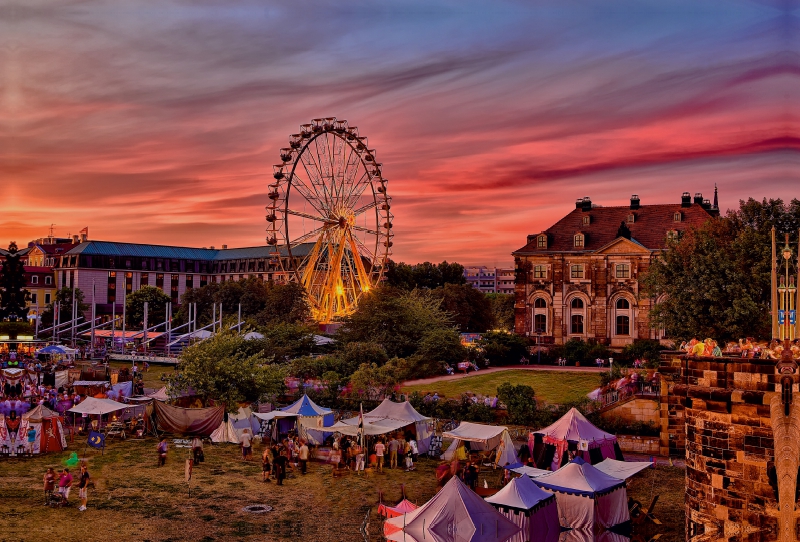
634,202
224,247
531,238
698,198
686,199
707,204
76,239
579,203
586,204
212,247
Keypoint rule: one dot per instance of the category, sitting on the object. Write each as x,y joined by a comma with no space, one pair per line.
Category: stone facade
716,411
636,410
638,445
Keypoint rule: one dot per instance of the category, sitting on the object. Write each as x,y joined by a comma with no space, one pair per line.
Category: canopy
574,428
267,416
320,340
533,509
586,497
306,407
621,469
91,383
225,433
94,407
192,421
252,335
55,349
456,508
388,417
484,437
530,472
38,413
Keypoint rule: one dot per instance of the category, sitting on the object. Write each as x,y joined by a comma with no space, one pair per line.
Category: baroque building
579,278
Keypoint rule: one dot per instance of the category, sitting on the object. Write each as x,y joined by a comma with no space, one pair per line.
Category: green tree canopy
714,281
520,402
468,307
424,275
156,301
63,299
221,369
502,307
500,348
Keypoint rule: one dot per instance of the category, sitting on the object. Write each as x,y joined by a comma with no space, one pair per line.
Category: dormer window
578,240
541,241
677,217
631,218
672,235
587,220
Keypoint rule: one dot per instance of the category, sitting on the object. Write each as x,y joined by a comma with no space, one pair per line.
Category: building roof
649,229
55,248
111,248
36,269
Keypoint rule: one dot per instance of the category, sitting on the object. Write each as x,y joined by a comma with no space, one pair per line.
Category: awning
530,472
91,383
372,426
621,469
94,406
475,432
267,416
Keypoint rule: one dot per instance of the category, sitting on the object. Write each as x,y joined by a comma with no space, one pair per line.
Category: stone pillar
786,434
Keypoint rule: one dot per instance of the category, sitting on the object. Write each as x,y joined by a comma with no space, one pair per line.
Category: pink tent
403,507
588,442
533,509
455,514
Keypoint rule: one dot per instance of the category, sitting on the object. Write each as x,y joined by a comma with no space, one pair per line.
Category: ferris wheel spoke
307,236
307,215
357,189
366,230
365,208
313,194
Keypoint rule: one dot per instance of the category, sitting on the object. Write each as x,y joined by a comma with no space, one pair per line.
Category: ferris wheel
329,216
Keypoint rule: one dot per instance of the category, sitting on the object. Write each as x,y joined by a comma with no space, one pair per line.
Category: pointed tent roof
396,411
306,407
573,426
579,478
38,413
520,494
456,508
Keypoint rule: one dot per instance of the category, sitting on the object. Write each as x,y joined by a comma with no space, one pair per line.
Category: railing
639,389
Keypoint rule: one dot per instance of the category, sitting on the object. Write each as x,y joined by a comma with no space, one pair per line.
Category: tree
520,403
13,295
714,281
286,303
283,342
424,275
372,382
469,308
441,346
394,319
501,348
502,307
220,369
63,299
156,306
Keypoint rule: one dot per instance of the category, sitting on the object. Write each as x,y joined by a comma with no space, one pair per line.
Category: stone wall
636,410
638,445
716,411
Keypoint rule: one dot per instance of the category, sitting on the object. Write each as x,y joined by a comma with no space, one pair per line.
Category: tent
575,433
92,406
403,507
483,437
244,419
456,513
48,427
226,432
622,469
387,418
530,472
531,508
308,416
586,497
191,421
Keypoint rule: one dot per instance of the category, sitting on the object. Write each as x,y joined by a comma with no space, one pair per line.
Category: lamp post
539,346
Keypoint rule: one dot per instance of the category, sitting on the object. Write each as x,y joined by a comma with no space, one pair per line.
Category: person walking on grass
265,463
162,452
246,443
83,487
393,446
197,450
49,485
302,455
65,485
280,465
380,447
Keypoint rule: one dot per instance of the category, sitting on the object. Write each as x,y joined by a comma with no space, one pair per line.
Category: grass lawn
135,500
554,387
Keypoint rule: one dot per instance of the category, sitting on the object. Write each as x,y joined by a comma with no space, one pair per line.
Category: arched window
539,315
577,303
623,304
539,303
622,318
577,316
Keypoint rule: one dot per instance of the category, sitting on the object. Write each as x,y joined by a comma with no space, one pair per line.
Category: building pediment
621,245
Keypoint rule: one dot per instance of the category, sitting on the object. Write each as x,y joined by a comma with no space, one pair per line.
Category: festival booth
226,432
389,417
587,498
484,438
572,433
304,415
186,421
531,508
92,406
58,352
92,388
49,430
455,513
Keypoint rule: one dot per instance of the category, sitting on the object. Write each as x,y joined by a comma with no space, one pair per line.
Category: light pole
539,346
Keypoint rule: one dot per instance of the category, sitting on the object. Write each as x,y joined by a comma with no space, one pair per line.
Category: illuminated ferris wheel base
329,217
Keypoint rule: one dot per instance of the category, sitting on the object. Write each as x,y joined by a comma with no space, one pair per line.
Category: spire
716,199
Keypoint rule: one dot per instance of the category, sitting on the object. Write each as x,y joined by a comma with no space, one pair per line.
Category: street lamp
539,346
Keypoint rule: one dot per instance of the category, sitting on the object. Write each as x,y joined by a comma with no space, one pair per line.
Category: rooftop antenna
52,226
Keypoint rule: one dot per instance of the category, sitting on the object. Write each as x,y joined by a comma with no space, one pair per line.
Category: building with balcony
579,278
491,280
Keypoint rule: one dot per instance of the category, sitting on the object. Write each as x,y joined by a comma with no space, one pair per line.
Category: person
379,449
65,485
49,485
162,452
393,446
443,474
265,464
31,440
359,453
246,445
134,369
197,450
83,487
280,466
409,452
471,475
302,455
401,450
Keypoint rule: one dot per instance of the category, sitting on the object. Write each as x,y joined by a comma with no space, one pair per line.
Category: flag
96,440
361,424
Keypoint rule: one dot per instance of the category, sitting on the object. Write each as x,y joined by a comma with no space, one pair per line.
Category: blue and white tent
309,417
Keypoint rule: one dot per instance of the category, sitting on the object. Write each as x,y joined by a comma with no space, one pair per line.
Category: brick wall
638,445
636,410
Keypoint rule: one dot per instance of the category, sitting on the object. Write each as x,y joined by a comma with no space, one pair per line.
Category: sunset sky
159,122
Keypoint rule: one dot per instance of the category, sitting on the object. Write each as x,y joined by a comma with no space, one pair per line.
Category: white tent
530,472
483,437
586,497
244,419
622,469
96,407
456,513
589,442
252,335
531,508
225,433
388,417
313,421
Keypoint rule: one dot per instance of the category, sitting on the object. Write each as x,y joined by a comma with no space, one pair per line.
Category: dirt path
550,368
